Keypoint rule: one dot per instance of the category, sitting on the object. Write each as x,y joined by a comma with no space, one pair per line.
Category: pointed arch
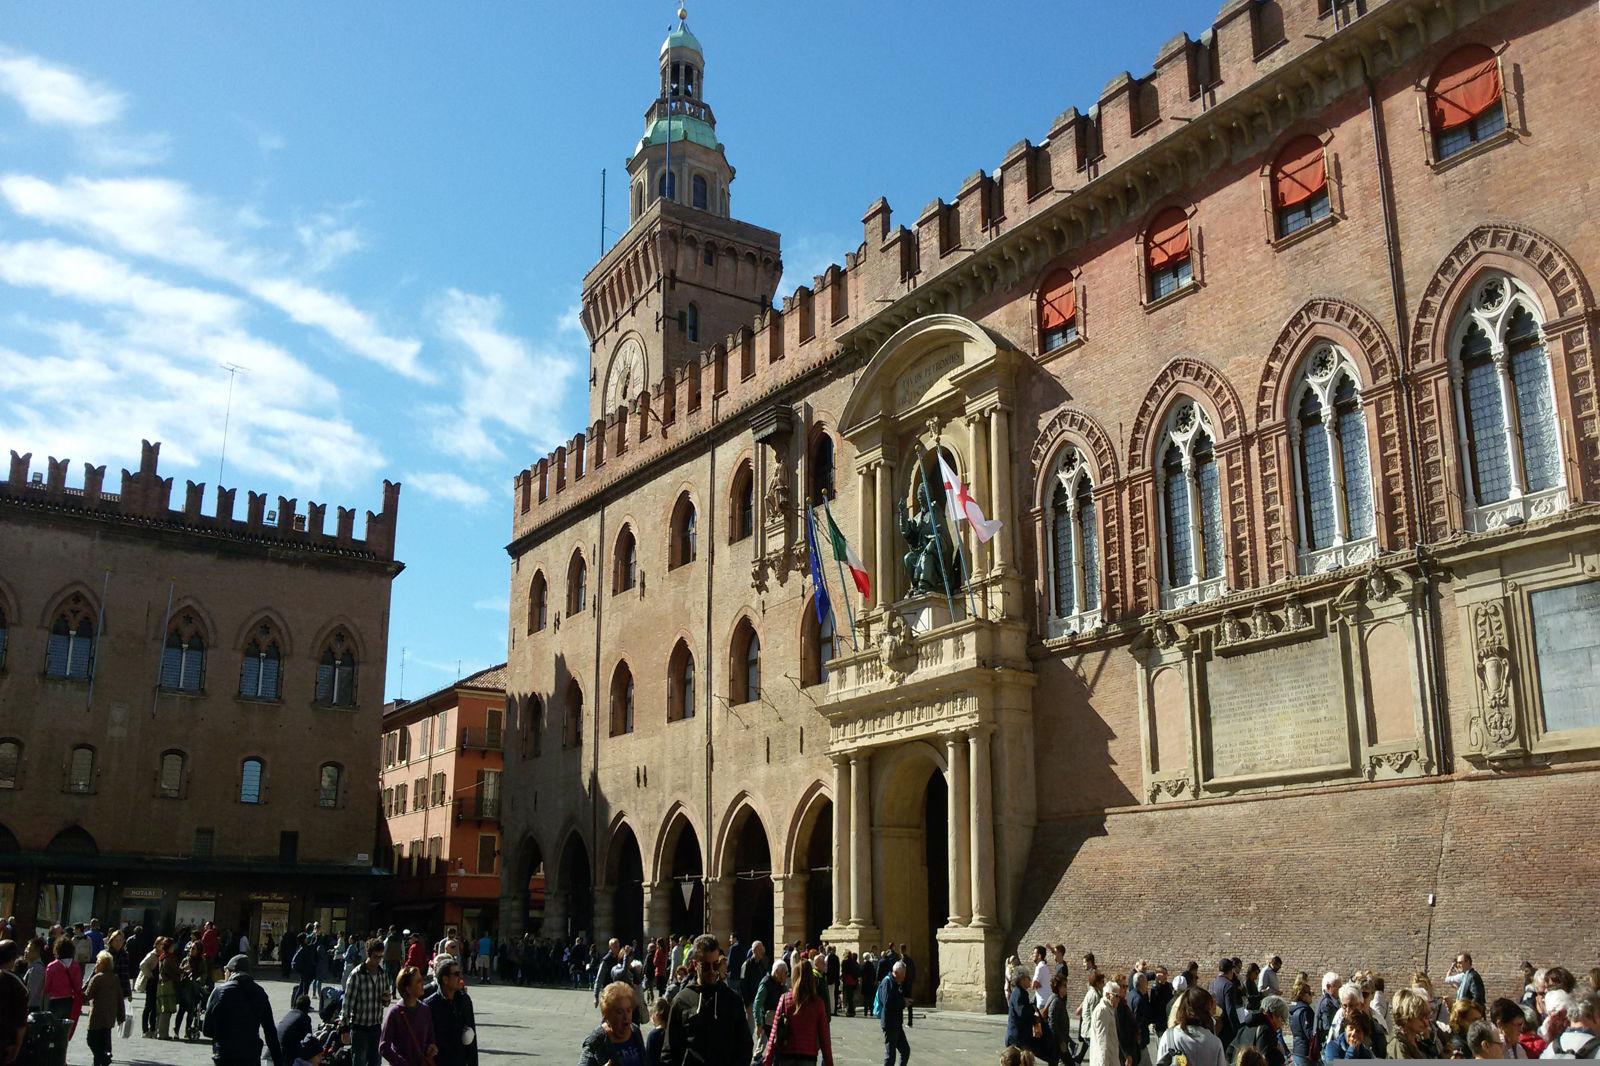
86,600
265,616
612,856
744,659
1201,382
741,807
1071,425
816,798
1329,318
351,633
679,816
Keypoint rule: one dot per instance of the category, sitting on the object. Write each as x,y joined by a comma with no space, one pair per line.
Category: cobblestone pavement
546,1025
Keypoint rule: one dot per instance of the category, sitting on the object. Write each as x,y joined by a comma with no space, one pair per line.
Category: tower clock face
626,377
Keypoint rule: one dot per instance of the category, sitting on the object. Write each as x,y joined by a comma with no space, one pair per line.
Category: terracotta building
189,701
1276,363
440,796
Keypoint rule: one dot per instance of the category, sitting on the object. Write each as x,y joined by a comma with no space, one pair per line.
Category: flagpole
961,556
848,606
944,575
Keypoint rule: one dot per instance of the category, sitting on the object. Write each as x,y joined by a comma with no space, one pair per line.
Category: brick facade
1120,802
130,834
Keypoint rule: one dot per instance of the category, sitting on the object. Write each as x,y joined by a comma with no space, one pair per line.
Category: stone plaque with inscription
1566,633
916,384
1277,710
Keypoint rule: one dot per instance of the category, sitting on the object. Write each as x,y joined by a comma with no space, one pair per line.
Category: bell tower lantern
686,274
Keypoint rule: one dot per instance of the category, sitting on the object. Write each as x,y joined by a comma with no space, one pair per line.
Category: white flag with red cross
964,507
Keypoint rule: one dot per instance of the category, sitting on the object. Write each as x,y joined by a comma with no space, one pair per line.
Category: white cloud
129,356
571,320
451,488
493,604
327,240
52,95
509,389
806,256
163,220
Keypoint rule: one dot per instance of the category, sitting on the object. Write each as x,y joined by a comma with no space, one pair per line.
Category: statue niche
929,561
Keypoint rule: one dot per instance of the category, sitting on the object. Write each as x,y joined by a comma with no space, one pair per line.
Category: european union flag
824,606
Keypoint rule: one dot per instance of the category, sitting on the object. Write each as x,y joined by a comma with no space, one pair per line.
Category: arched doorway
808,893
749,866
914,841
625,873
530,882
686,883
575,889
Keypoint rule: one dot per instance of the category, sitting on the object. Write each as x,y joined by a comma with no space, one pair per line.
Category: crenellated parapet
1206,102
146,497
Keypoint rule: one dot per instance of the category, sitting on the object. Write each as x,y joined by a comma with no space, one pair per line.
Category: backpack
1586,1051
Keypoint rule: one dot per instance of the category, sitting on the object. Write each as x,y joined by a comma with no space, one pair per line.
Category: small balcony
482,738
478,806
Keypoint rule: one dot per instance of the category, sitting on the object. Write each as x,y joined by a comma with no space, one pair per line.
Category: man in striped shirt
366,993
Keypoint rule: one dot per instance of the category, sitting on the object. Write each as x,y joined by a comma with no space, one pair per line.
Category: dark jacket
1226,993
831,968
1327,1006
652,1046
891,1004
1020,1016
238,1016
598,1050
1303,1028
1472,987
1338,1049
293,1028
1127,1030
1160,998
886,963
706,1027
750,976
450,1018
1143,1017
1268,1042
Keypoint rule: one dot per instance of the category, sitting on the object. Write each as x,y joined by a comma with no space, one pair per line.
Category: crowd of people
1257,1014
385,999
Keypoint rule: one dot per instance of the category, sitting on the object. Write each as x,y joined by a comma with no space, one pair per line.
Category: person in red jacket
802,1019
415,955
63,984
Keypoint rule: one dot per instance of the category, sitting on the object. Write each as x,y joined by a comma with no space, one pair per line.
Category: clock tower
686,273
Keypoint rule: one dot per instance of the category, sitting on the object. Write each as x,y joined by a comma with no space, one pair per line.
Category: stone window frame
681,656
1141,240
1335,188
20,771
1199,589
622,705
181,790
625,576
1307,376
538,602
1511,103
1085,468
1081,334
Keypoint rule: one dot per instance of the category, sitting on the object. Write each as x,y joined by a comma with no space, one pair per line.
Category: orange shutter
1167,244
1058,301
1463,87
1298,175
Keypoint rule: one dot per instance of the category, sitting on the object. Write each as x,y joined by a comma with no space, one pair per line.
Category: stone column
860,840
513,918
1000,490
555,912
978,432
955,746
1508,407
605,911
842,841
788,907
882,496
658,908
719,903
982,829
866,539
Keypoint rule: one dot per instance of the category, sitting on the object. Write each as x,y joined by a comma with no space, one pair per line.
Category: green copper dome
681,38
684,128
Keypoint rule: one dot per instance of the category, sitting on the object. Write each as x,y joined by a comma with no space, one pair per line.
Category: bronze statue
928,549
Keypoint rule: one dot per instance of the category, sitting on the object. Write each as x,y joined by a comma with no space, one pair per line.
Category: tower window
697,190
691,323
667,186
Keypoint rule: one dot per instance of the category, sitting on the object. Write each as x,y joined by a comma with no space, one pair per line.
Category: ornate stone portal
941,691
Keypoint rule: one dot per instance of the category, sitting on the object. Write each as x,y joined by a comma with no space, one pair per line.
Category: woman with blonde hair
406,1036
1463,1012
106,1011
1411,1036
616,1038
1303,1048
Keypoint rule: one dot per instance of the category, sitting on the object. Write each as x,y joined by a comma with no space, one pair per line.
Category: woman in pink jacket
63,984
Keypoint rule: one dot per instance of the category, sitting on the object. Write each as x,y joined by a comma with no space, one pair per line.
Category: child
309,1053
658,1031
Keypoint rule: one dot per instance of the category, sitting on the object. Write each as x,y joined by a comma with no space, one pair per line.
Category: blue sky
384,212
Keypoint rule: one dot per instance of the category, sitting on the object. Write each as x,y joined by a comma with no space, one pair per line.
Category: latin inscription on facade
915,384
1566,631
1278,710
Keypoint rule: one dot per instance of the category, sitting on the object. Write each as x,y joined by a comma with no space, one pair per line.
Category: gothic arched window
684,545
70,653
626,562
577,584
538,602
252,781
1191,509
572,731
1074,547
818,644
183,659
822,470
745,676
742,520
697,190
336,672
1332,468
681,679
621,700
261,670
1506,403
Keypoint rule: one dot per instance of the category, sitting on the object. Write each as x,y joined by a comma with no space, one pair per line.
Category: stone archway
571,912
913,849
808,883
685,883
529,883
747,876
625,877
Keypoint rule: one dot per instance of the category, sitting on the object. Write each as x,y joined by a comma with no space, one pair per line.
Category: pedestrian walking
106,1007
800,1024
1105,1046
239,1019
407,1036
63,984
706,1022
366,994
455,1029
1190,1034
616,1040
891,1007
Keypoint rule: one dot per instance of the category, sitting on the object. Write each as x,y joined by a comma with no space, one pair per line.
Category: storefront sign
142,893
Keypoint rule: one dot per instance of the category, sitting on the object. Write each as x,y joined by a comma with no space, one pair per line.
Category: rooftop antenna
234,370
602,211
402,693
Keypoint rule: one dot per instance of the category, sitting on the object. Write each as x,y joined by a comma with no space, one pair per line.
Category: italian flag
846,555
964,507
